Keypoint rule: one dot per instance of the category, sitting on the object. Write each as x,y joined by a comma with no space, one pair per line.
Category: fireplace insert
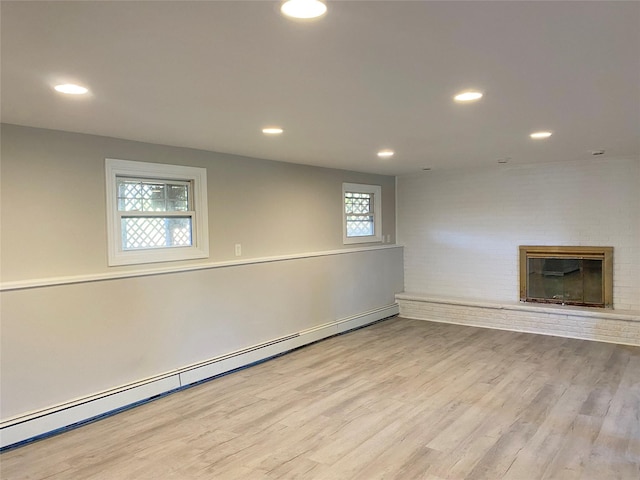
567,275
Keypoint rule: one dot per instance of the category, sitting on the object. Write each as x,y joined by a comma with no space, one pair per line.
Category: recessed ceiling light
303,8
385,153
468,96
272,131
71,89
539,135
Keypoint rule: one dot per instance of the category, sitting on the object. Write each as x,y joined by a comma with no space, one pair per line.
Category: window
362,216
155,212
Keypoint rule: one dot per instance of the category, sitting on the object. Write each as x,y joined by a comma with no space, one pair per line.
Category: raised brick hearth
562,321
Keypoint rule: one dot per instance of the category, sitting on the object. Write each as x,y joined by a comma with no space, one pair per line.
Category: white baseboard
33,425
39,423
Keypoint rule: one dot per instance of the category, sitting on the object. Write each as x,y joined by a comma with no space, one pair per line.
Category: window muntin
157,212
362,219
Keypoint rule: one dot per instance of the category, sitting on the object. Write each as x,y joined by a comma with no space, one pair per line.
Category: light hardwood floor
400,399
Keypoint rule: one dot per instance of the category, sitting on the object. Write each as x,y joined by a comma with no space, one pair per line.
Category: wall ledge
145,272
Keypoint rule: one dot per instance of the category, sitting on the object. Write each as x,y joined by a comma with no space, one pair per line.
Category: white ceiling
369,75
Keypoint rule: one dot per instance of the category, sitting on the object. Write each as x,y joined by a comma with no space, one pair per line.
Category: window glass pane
177,206
177,192
129,195
129,204
357,202
128,188
592,279
154,191
155,232
152,196
359,226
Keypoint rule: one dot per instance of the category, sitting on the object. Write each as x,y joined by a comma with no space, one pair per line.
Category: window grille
359,210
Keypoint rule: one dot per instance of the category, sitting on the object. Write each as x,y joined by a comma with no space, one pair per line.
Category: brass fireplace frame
591,253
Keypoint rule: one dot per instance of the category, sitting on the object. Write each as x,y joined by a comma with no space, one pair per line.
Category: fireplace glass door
565,280
565,277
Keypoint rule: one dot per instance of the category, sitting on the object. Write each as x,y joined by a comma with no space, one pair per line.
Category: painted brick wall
461,228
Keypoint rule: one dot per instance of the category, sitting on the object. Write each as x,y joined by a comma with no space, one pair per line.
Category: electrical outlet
238,249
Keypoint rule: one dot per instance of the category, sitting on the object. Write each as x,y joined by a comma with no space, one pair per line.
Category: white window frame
376,191
199,228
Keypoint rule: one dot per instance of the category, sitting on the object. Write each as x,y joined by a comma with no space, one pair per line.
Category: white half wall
65,344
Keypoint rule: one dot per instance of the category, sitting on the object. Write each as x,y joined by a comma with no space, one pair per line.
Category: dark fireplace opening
567,275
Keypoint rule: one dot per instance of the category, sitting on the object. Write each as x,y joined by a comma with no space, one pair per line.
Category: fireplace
567,275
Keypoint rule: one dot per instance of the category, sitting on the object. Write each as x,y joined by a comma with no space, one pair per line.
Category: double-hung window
155,212
361,214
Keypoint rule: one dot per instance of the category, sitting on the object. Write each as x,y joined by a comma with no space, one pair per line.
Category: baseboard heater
25,428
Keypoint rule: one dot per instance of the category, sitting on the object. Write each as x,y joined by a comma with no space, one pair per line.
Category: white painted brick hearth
588,324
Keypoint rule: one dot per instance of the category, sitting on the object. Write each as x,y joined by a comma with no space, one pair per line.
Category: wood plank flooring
400,399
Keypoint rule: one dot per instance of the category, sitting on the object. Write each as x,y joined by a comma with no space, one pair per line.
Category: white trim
40,422
200,233
98,277
376,191
395,206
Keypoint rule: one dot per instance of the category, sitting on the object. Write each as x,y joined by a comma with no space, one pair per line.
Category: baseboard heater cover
17,431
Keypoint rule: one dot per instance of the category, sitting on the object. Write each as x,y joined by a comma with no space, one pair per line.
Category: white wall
73,327
461,228
53,202
64,342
